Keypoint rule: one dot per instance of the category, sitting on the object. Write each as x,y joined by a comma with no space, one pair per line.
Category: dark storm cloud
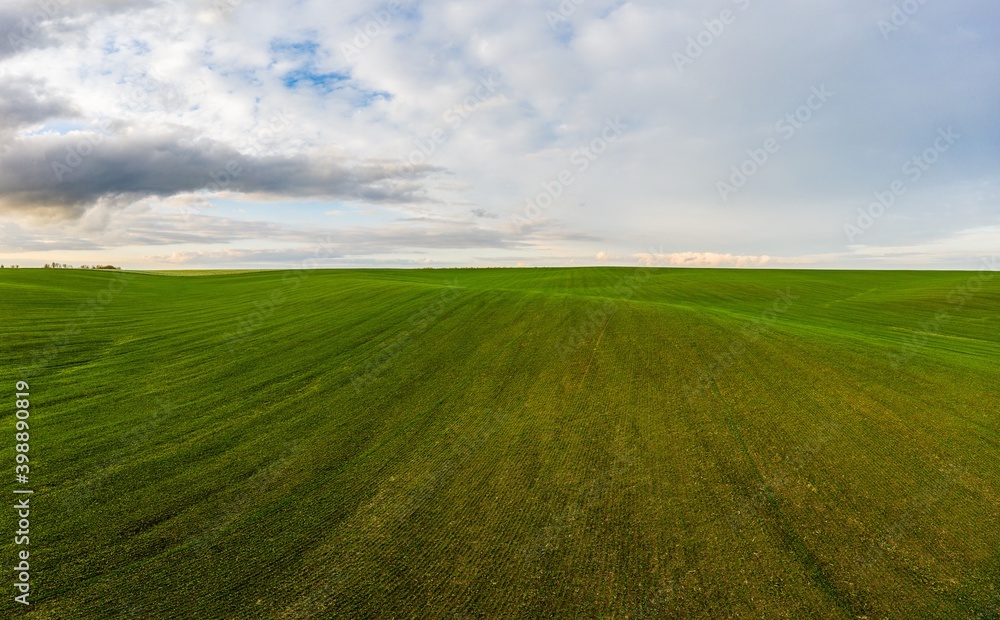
63,175
25,101
27,25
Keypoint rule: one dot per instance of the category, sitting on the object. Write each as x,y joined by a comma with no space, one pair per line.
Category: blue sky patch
323,81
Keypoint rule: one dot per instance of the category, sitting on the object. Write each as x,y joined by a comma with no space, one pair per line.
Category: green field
507,443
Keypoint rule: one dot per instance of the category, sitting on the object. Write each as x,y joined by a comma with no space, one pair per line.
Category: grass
516,443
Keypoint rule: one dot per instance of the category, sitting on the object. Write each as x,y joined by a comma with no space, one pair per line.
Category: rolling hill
515,443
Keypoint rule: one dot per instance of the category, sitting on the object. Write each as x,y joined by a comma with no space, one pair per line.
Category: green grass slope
539,443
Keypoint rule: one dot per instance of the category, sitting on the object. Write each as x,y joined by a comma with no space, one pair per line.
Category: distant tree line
55,265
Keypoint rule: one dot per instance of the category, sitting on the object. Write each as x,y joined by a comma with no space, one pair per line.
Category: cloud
189,84
31,24
154,223
295,258
108,226
702,259
962,249
242,257
62,176
26,101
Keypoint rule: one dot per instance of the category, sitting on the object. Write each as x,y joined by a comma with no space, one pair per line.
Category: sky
203,134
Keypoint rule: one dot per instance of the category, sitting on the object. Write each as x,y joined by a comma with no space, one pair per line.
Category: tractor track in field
805,556
593,354
277,506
